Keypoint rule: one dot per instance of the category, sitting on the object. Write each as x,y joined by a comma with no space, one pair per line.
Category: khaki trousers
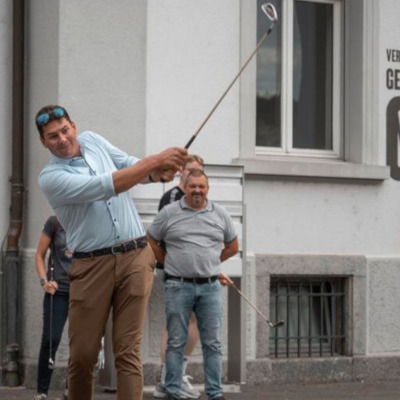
122,283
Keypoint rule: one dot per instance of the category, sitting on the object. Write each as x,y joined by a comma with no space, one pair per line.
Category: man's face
59,136
196,190
192,165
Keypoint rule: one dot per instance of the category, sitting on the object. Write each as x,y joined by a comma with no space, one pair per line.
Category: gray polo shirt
194,239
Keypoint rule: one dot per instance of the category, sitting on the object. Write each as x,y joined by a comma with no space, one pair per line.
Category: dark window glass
312,75
268,131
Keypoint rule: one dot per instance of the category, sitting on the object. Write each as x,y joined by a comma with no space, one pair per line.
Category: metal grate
313,309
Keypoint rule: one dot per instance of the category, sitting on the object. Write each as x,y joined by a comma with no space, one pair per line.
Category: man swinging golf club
86,183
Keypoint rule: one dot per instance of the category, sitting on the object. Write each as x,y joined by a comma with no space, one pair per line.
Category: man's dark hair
52,116
196,173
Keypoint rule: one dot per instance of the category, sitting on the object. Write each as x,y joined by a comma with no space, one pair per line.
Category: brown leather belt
199,281
134,244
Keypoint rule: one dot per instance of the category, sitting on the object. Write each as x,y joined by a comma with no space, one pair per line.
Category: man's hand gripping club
156,168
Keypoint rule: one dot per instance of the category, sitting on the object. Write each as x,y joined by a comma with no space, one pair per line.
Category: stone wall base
267,371
323,370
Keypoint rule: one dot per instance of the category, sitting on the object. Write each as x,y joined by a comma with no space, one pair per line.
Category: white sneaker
187,389
159,391
40,396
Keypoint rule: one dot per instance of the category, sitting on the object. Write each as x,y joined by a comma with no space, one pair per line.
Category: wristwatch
43,281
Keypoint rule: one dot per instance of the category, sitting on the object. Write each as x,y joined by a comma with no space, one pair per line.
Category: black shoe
218,398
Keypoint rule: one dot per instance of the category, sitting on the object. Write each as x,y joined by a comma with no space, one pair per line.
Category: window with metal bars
313,309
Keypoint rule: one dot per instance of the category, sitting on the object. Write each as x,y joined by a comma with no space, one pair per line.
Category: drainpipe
12,265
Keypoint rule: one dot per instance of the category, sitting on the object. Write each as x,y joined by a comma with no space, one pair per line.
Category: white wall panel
193,55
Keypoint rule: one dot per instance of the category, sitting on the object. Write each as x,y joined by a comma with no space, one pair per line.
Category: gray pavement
334,391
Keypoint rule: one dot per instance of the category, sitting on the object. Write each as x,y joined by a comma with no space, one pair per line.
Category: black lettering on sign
389,78
393,55
392,135
393,79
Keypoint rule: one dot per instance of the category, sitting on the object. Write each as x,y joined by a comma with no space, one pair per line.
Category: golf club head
51,363
270,12
277,324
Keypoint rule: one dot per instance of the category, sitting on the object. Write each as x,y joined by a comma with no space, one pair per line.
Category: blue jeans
205,300
60,315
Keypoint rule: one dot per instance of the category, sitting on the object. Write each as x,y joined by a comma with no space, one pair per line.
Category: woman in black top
55,283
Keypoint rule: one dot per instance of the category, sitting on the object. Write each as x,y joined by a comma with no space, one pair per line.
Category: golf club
271,324
272,15
51,361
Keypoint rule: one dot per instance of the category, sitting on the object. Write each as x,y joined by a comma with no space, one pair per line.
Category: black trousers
60,315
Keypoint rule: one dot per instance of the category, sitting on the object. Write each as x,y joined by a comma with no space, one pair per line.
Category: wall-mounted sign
393,74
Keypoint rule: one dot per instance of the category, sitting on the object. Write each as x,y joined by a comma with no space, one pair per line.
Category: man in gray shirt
199,235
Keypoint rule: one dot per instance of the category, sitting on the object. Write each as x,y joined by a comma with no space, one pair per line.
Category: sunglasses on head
44,118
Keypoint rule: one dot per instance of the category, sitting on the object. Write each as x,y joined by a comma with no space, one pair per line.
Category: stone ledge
323,370
314,168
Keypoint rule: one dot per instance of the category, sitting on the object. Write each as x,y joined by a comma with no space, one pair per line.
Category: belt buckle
117,249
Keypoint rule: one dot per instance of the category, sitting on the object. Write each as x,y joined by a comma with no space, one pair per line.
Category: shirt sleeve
229,231
165,199
157,229
170,196
62,186
48,227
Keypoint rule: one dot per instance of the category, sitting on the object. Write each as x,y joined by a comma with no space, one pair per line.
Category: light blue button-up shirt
81,192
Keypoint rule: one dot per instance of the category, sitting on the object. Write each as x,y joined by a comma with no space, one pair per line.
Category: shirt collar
66,161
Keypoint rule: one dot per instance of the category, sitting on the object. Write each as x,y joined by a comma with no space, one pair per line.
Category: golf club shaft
252,304
51,361
259,44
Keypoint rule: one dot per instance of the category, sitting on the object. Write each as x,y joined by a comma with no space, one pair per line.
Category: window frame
363,148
